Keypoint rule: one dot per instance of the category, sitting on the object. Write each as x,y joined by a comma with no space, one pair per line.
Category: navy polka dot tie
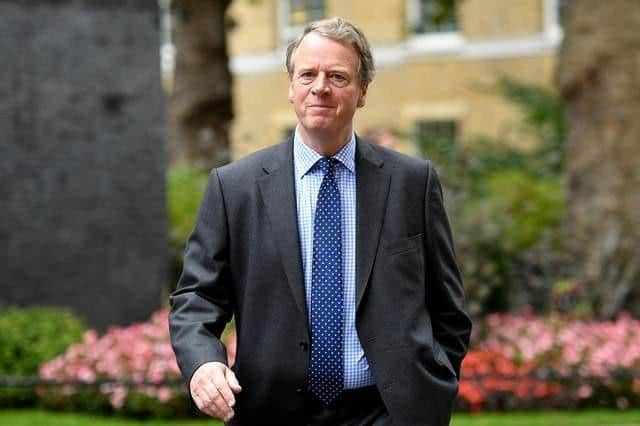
326,372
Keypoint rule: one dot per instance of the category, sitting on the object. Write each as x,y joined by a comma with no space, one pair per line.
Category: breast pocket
403,270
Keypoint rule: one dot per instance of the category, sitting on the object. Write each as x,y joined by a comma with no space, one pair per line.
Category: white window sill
436,43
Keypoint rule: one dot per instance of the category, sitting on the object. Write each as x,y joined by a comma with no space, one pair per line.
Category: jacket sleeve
445,294
201,305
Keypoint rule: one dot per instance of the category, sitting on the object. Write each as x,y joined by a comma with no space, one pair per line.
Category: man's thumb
233,381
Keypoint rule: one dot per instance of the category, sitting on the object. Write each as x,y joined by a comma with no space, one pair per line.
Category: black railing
29,382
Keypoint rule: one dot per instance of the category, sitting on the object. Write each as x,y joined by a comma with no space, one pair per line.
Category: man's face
324,87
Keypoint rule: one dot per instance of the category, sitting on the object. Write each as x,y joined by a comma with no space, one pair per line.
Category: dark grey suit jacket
243,259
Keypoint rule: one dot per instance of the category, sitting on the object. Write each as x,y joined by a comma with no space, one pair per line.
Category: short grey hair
342,30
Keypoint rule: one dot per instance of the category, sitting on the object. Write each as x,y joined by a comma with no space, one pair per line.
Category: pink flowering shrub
580,348
490,380
528,361
516,362
136,362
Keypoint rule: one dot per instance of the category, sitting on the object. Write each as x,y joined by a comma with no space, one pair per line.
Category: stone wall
82,168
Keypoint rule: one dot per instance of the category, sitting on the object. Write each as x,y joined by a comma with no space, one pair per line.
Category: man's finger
217,402
233,381
221,385
220,382
202,405
214,392
197,400
208,399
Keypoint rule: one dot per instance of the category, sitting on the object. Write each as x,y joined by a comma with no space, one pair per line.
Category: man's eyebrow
338,68
305,69
335,69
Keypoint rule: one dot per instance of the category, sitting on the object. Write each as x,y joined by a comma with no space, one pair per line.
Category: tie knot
326,164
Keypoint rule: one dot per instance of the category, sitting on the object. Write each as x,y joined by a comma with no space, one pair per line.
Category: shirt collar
304,157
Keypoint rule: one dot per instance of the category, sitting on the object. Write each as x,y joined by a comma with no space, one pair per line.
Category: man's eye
339,79
306,77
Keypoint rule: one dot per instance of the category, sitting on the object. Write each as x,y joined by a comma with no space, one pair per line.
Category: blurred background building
434,66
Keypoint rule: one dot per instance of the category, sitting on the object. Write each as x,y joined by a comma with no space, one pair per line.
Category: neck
324,143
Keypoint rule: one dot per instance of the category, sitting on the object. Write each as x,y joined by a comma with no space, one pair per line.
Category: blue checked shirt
308,180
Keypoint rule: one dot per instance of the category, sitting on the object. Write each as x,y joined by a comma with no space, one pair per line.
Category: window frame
417,131
437,42
415,13
286,31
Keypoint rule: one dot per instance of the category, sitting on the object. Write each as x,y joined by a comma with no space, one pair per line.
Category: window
431,16
295,14
302,12
436,139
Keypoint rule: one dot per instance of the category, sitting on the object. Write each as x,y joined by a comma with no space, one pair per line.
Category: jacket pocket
402,245
442,358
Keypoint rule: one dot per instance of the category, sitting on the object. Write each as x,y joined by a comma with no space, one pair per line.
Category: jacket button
299,390
304,346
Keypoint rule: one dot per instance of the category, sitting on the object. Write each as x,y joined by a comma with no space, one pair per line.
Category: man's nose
320,85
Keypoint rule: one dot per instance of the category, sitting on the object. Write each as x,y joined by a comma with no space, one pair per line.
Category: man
336,259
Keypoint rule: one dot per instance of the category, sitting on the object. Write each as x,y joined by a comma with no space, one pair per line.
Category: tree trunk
600,82
200,103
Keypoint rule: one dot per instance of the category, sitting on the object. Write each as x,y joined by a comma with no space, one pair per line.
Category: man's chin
320,130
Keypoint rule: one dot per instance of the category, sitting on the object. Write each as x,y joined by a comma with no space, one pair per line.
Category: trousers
354,407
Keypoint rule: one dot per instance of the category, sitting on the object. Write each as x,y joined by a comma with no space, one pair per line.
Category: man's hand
212,387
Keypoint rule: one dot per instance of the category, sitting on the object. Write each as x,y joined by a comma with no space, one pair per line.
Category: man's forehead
314,62
316,36
316,48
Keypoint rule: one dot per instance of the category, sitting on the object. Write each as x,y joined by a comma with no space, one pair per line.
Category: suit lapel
278,193
372,187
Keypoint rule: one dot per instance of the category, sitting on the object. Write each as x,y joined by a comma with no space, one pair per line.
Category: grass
550,418
571,418
38,417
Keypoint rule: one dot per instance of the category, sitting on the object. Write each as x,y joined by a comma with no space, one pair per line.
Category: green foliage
544,116
142,406
184,192
446,155
29,337
137,404
508,213
526,205
185,187
503,202
88,400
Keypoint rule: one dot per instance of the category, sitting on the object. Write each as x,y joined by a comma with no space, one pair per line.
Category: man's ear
363,95
290,95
